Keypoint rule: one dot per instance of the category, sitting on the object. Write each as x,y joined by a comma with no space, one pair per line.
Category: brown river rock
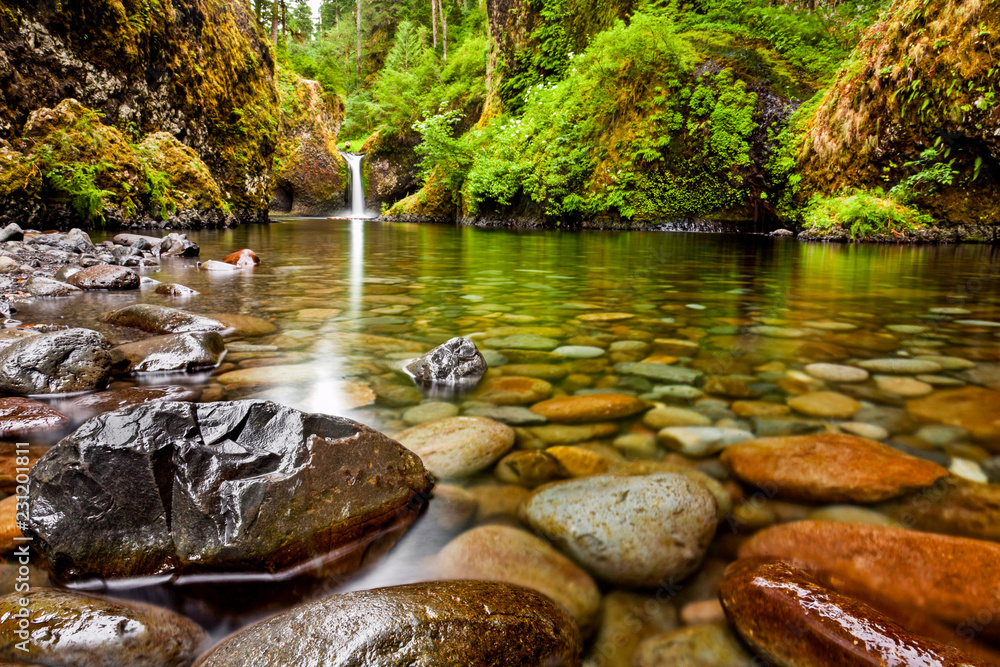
973,408
468,623
79,630
20,417
9,463
503,553
589,407
951,579
953,506
790,619
242,258
829,468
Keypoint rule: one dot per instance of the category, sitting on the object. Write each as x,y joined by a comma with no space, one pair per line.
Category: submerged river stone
245,486
22,416
105,277
458,446
951,579
88,631
829,468
504,553
59,362
173,352
469,623
789,619
589,408
161,319
455,362
641,530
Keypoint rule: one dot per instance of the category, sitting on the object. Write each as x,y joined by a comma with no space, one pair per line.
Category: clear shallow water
352,298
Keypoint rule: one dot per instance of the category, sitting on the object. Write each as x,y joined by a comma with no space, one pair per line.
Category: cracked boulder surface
228,487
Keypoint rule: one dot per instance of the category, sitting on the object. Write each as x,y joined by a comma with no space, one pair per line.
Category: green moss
863,216
923,77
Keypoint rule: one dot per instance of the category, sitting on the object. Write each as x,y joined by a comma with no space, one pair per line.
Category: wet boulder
58,362
105,277
22,416
47,287
242,258
177,245
790,619
241,487
470,623
175,289
455,362
66,628
75,241
137,241
11,232
173,352
161,319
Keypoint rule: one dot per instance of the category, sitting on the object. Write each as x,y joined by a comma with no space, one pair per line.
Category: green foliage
414,83
629,130
931,174
78,182
547,56
440,150
863,215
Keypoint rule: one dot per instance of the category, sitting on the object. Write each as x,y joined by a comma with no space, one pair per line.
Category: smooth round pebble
458,446
837,373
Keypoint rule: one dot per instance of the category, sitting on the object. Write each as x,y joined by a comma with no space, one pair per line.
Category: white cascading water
357,186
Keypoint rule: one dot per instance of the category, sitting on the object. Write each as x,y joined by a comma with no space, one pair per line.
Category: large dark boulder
246,487
173,352
455,362
89,631
161,319
470,623
59,362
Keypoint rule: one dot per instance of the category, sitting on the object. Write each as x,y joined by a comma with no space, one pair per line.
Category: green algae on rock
201,70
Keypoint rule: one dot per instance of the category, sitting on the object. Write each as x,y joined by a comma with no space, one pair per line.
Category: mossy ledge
199,70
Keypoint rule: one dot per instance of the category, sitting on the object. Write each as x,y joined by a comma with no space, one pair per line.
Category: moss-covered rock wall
310,175
199,70
915,108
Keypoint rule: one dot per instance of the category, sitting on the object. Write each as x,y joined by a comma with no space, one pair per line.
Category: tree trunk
444,30
359,41
284,20
275,14
434,21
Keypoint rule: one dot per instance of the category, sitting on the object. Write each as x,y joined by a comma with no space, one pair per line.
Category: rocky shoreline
984,233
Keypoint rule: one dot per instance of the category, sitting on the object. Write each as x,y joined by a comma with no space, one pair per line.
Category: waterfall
357,185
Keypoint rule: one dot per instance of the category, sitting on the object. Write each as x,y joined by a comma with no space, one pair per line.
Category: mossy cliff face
310,174
390,168
76,171
200,70
917,99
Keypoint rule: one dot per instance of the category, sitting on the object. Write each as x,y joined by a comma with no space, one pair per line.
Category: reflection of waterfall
357,185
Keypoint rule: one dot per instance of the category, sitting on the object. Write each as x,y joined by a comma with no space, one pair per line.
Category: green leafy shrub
863,215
